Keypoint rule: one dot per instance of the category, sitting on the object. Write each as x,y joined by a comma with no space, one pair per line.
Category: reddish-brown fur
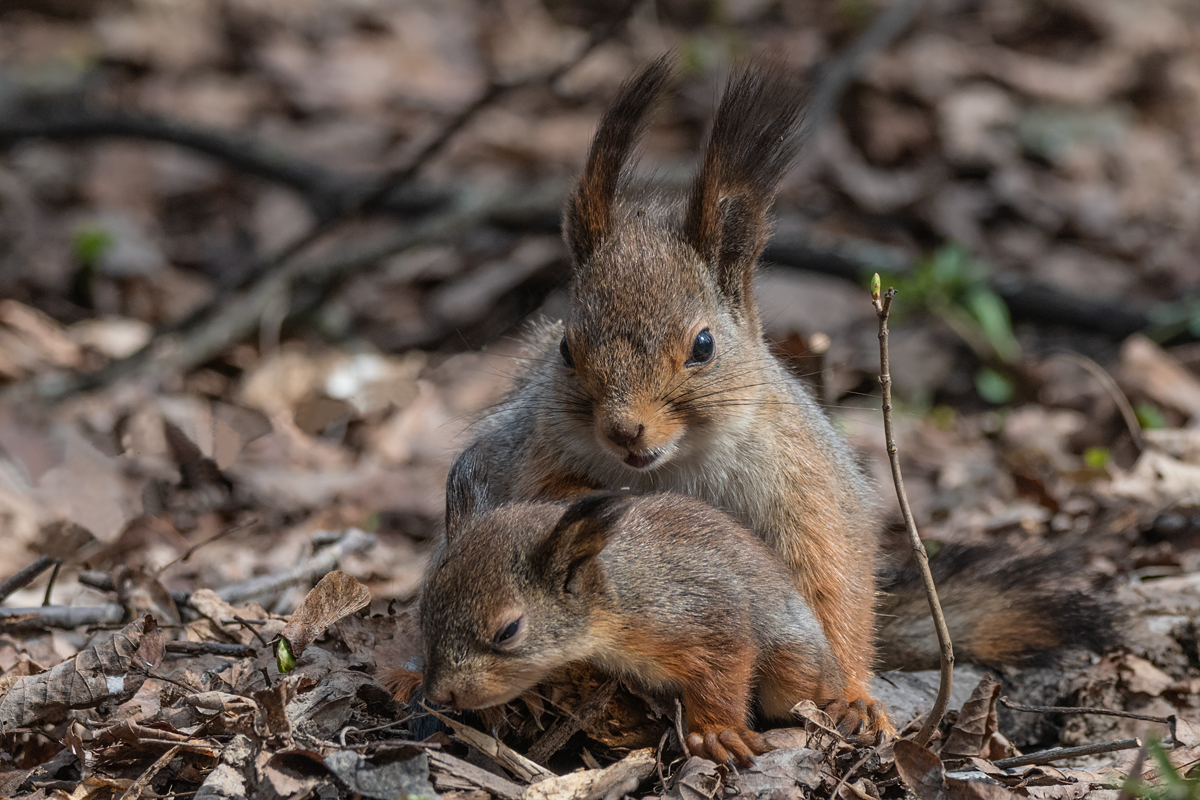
616,581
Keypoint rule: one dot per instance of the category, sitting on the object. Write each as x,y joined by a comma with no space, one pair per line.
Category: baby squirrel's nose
625,434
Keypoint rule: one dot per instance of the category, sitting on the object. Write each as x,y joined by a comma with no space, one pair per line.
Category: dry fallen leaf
335,596
112,671
976,722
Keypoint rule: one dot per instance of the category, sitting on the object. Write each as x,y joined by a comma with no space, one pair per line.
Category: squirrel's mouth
638,461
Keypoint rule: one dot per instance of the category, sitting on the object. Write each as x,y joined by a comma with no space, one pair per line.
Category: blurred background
263,261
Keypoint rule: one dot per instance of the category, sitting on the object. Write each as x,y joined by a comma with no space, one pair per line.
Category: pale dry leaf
1143,677
335,596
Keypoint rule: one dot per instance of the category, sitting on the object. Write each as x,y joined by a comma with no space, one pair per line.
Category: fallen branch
328,193
883,305
1104,712
615,780
834,77
476,776
60,616
313,568
212,649
25,576
1062,753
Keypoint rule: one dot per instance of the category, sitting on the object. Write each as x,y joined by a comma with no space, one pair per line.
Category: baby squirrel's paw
724,745
861,721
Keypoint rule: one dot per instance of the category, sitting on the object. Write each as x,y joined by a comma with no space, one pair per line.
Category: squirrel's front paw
860,720
723,745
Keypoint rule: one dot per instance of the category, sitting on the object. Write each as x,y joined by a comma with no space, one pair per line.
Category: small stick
1101,375
1105,712
354,541
60,616
212,649
25,576
1059,753
221,534
50,583
883,305
846,776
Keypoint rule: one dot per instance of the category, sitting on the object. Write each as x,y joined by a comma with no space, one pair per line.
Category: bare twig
212,649
1104,712
397,179
221,534
1101,375
327,192
143,781
524,768
496,89
476,776
834,77
882,307
25,576
850,772
50,583
60,616
354,541
102,581
1061,753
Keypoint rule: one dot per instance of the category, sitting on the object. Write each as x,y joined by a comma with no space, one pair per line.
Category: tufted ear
466,490
588,216
580,534
755,136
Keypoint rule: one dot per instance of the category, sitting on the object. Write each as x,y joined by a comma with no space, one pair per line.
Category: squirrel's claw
738,746
859,721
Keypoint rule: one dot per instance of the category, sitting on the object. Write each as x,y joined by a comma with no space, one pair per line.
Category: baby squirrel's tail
1002,609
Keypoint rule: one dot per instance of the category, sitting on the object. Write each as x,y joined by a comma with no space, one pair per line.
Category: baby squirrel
662,382
661,590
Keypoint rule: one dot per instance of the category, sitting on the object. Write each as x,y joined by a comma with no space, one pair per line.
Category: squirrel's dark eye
702,349
565,352
508,634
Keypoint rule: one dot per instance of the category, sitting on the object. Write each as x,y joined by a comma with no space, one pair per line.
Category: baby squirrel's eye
702,349
566,353
508,635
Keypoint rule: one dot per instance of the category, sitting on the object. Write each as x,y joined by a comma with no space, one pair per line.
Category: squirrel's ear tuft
588,216
466,489
578,537
755,136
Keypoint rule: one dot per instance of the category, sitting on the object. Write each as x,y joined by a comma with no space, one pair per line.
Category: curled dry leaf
976,722
112,671
335,596
924,773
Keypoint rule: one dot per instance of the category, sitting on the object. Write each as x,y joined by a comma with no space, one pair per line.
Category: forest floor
199,419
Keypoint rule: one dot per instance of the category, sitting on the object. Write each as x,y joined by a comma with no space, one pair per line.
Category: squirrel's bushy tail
1002,609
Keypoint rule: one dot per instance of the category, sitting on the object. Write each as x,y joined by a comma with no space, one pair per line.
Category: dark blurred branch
328,193
833,77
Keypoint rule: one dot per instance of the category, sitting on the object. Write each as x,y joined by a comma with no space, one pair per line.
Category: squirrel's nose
624,434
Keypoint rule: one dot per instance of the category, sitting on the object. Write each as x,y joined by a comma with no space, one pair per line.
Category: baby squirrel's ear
578,537
588,216
466,489
755,136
